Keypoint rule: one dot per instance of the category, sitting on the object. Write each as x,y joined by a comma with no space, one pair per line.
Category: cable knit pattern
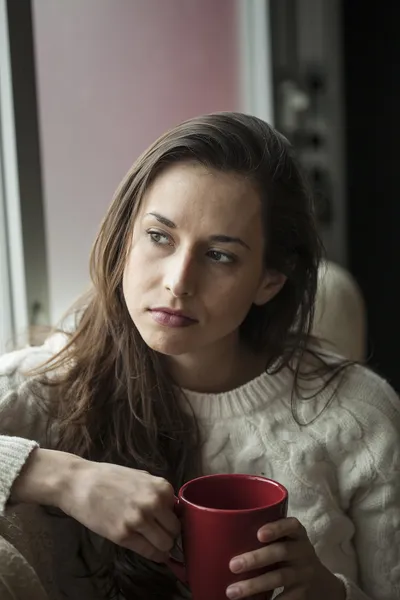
342,470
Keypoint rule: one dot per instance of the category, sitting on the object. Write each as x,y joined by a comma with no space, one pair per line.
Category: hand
298,569
129,507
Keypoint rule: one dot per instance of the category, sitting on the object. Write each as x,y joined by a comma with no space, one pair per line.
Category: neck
224,367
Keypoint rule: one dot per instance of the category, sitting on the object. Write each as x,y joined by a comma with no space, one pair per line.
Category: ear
271,283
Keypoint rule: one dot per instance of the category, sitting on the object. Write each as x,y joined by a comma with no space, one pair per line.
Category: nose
180,277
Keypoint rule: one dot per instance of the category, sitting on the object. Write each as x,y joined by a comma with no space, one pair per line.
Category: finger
168,520
284,577
139,544
156,535
165,491
290,527
277,552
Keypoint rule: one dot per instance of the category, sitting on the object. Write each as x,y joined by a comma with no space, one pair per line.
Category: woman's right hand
129,507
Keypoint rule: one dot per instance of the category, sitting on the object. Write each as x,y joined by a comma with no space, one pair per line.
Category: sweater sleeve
374,506
23,421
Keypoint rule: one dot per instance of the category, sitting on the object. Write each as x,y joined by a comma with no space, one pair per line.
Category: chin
168,350
170,345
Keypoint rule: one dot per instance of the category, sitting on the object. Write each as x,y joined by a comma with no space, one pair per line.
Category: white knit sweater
342,471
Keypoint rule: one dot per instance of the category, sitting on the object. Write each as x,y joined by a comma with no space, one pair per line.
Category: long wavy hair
116,401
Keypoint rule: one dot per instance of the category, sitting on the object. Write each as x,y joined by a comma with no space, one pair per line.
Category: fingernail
264,535
236,565
233,593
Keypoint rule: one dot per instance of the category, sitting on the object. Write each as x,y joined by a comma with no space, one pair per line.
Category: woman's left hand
298,569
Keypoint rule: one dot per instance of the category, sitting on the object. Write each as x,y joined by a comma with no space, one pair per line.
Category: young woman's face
195,265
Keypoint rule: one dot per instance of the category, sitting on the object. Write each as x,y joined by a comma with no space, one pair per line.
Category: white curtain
255,58
13,305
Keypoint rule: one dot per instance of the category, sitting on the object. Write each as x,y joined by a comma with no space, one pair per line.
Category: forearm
45,478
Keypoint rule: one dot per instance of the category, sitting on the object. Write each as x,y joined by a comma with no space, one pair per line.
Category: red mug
220,516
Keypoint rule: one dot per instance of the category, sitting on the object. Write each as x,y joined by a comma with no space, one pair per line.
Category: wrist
46,478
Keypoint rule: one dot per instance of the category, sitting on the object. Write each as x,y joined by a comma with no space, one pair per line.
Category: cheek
139,276
131,279
231,301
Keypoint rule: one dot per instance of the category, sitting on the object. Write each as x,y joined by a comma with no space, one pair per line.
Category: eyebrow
162,220
222,239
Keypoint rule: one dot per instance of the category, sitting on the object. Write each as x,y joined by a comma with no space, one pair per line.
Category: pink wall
111,76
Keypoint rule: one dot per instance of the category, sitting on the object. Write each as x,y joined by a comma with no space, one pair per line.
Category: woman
193,355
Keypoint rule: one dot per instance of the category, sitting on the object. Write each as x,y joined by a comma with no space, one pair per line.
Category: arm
129,507
375,505
46,477
22,417
114,502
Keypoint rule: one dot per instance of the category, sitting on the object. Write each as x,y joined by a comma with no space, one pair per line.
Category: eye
220,257
161,239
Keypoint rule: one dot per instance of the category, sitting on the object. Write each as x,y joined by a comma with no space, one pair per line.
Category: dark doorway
372,101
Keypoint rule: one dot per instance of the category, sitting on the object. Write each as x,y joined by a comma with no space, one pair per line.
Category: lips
171,318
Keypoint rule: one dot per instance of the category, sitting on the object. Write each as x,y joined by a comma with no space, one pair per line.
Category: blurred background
86,85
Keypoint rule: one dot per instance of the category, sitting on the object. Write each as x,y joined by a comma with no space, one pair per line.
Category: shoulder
327,376
351,400
368,411
14,366
21,394
367,391
359,424
31,357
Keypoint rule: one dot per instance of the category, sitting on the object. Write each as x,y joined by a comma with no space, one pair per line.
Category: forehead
193,195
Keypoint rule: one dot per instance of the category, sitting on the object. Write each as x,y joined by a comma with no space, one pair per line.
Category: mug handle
177,566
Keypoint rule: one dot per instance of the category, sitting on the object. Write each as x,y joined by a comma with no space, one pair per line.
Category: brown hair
116,401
